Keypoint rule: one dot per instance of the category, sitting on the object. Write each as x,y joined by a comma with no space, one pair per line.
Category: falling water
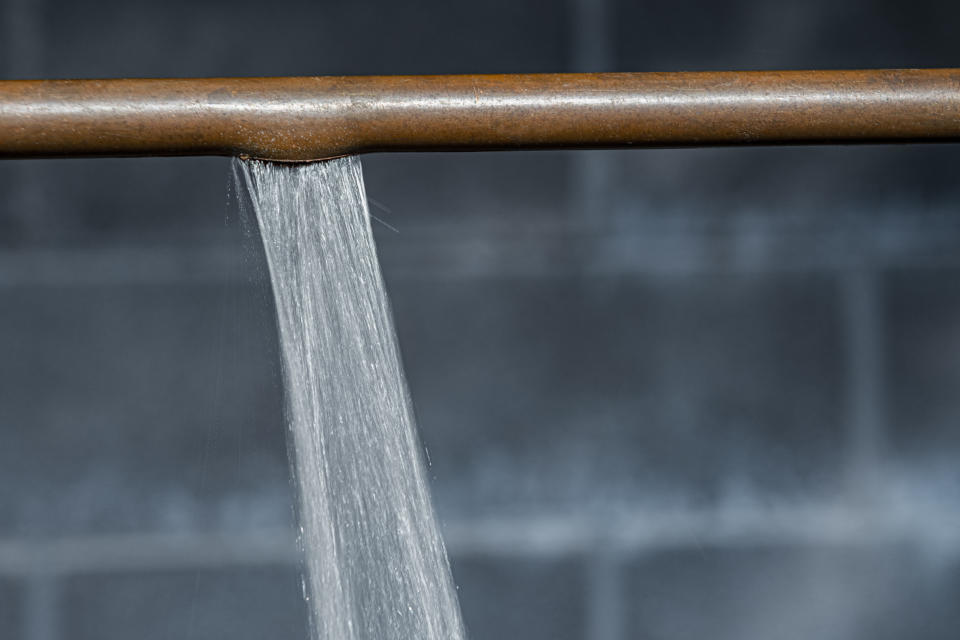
375,562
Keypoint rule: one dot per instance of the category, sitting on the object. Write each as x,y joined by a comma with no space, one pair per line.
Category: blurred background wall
672,394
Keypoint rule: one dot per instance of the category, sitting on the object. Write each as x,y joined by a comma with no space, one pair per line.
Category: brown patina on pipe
298,119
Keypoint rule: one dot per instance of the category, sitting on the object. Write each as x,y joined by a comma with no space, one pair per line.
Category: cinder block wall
666,394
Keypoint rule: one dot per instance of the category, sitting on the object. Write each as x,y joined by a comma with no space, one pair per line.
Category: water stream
376,567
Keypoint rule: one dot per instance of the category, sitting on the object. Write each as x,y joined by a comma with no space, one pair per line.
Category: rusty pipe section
299,119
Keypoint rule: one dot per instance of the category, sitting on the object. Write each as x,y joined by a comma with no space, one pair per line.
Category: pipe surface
300,119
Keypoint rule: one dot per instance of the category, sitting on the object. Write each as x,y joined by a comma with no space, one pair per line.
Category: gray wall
666,394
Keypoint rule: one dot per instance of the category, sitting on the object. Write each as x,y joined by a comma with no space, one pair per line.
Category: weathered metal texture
297,119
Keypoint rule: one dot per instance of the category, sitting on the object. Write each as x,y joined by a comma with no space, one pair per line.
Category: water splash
376,565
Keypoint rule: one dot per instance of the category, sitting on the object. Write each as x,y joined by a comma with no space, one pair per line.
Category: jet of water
376,566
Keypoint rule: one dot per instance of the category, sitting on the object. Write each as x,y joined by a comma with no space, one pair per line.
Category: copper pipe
297,119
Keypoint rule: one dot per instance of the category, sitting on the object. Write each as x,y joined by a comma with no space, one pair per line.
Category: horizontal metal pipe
298,119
